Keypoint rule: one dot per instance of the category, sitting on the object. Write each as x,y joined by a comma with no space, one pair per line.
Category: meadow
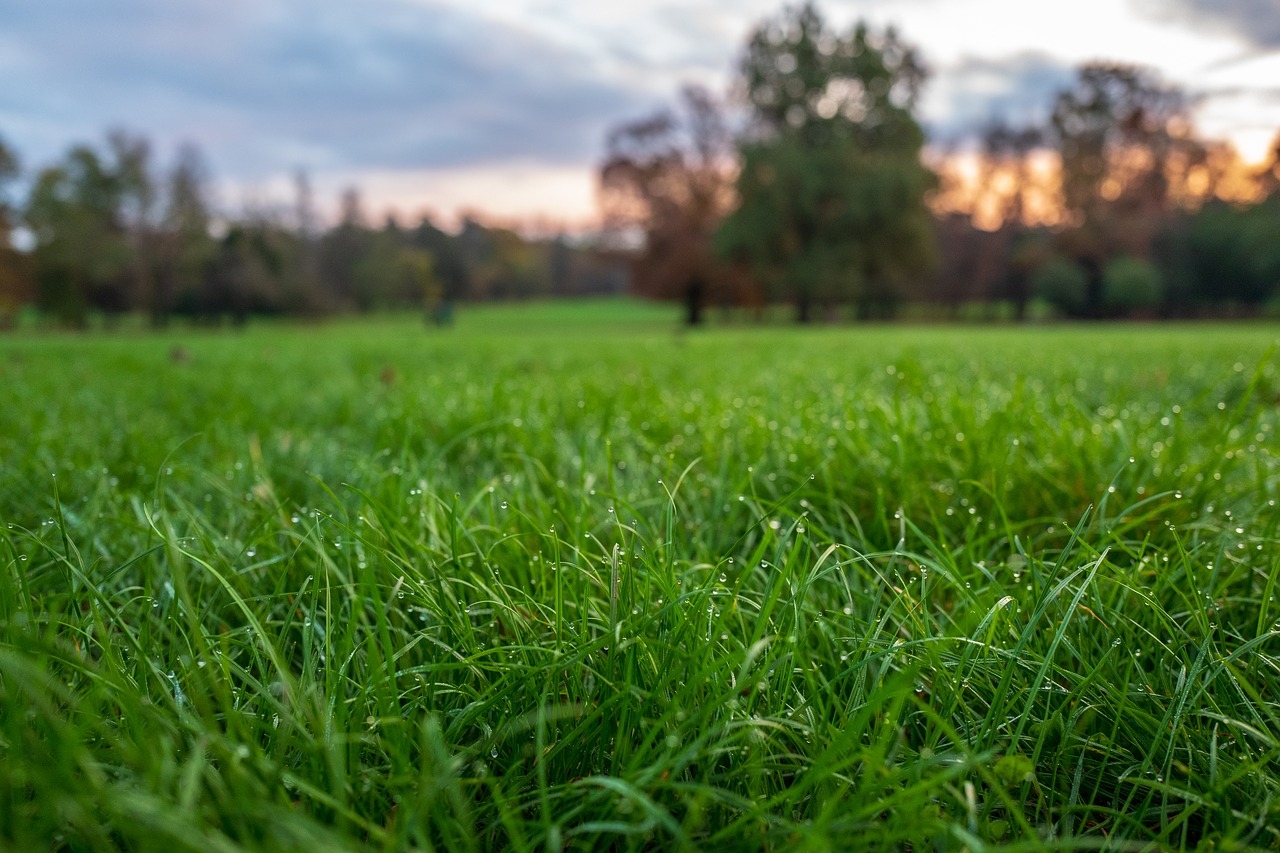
566,578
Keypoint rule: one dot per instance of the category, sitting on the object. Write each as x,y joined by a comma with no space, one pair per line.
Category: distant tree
1268,177
1231,254
342,250
252,272
9,169
448,263
1131,284
15,276
670,177
1013,193
83,254
1062,283
1124,138
831,187
186,249
501,264
1007,186
138,203
970,262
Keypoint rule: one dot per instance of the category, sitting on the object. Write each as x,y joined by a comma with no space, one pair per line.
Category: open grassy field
563,578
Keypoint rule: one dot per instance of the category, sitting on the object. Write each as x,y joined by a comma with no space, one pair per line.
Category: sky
501,107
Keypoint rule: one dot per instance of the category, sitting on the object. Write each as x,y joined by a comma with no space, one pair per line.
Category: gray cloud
270,87
1255,21
967,94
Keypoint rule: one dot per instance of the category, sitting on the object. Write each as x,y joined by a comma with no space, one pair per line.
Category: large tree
670,177
831,187
83,253
186,250
15,287
1126,146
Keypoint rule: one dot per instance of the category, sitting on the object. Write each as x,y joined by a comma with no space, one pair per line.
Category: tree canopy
670,177
831,189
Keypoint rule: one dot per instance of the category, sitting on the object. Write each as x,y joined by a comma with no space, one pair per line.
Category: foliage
1233,253
670,176
559,581
82,250
15,277
114,233
1122,135
831,187
1062,283
1130,283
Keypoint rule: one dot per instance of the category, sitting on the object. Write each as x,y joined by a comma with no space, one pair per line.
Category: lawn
565,577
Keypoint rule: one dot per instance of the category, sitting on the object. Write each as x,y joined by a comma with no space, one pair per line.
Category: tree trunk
804,308
693,302
1093,288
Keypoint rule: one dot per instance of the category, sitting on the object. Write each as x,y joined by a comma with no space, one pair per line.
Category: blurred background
863,159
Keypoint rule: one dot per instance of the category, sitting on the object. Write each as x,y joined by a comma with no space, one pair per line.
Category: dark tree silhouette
1123,136
669,177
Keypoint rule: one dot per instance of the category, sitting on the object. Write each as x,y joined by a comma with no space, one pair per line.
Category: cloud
1257,22
1020,89
324,85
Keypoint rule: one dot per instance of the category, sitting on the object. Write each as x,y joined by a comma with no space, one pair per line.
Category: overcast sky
502,105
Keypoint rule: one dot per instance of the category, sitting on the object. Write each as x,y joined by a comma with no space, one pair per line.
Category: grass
562,579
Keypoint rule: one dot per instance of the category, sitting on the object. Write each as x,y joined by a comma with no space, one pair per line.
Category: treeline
816,194
1114,206
111,233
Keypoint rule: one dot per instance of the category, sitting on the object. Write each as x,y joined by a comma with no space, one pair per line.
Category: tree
1231,255
137,212
1131,284
83,255
1062,283
15,280
186,250
1268,177
670,178
341,252
1124,137
448,264
831,187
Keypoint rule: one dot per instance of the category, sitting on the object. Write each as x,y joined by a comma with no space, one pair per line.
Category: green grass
562,578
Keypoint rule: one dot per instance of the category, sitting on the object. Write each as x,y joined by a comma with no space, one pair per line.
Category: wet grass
568,580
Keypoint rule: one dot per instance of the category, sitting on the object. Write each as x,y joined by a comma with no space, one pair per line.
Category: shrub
1130,284
1061,282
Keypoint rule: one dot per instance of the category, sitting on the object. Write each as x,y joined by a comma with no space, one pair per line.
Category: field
566,578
